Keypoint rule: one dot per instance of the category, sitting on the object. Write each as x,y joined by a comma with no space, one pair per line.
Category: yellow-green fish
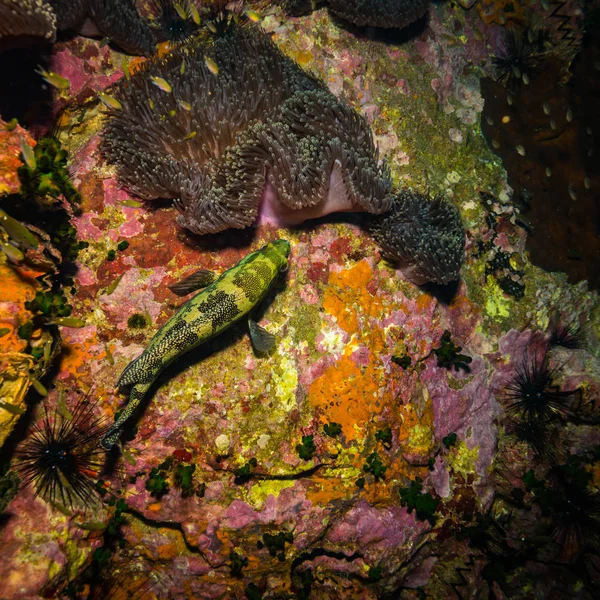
212,66
161,83
109,101
54,79
28,153
218,306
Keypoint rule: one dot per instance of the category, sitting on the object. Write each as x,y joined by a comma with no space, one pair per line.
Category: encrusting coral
233,127
116,19
27,17
425,237
371,13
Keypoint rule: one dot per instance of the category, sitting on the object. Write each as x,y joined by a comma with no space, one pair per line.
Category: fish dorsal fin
261,339
196,281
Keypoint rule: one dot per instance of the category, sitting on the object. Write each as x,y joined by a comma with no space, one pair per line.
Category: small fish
552,124
194,12
546,107
151,103
252,15
509,99
28,154
572,193
38,386
191,135
521,150
569,115
109,101
14,254
182,67
61,407
161,84
68,322
211,27
125,67
12,409
525,79
211,65
548,172
587,184
224,302
54,79
179,8
104,42
172,112
113,286
11,125
109,357
17,231
132,203
185,105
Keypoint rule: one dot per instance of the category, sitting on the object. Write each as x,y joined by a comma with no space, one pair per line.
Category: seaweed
306,450
448,354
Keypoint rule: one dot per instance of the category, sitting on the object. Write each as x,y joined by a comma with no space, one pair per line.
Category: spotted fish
223,302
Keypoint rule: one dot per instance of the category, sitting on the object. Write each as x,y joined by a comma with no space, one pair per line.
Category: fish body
221,304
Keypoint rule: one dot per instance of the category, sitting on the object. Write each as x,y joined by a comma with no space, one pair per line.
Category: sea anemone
62,456
424,236
229,127
371,13
27,17
116,19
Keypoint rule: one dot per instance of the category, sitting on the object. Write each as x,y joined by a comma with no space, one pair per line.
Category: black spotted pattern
254,281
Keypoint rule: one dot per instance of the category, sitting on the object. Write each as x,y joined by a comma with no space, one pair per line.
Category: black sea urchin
173,21
233,126
371,13
424,236
62,456
532,396
116,19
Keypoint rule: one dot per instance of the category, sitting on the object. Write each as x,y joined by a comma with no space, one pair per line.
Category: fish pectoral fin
261,339
196,281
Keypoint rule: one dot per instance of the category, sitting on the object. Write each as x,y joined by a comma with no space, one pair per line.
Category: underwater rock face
364,457
237,128
369,13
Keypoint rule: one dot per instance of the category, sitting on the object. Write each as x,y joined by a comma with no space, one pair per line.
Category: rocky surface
265,511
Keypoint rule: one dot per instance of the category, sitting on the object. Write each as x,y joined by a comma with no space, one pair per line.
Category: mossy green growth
375,573
49,305
237,563
123,245
403,361
449,440
49,178
424,504
183,479
332,429
243,474
448,354
137,321
275,544
157,483
385,437
375,466
306,450
252,592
